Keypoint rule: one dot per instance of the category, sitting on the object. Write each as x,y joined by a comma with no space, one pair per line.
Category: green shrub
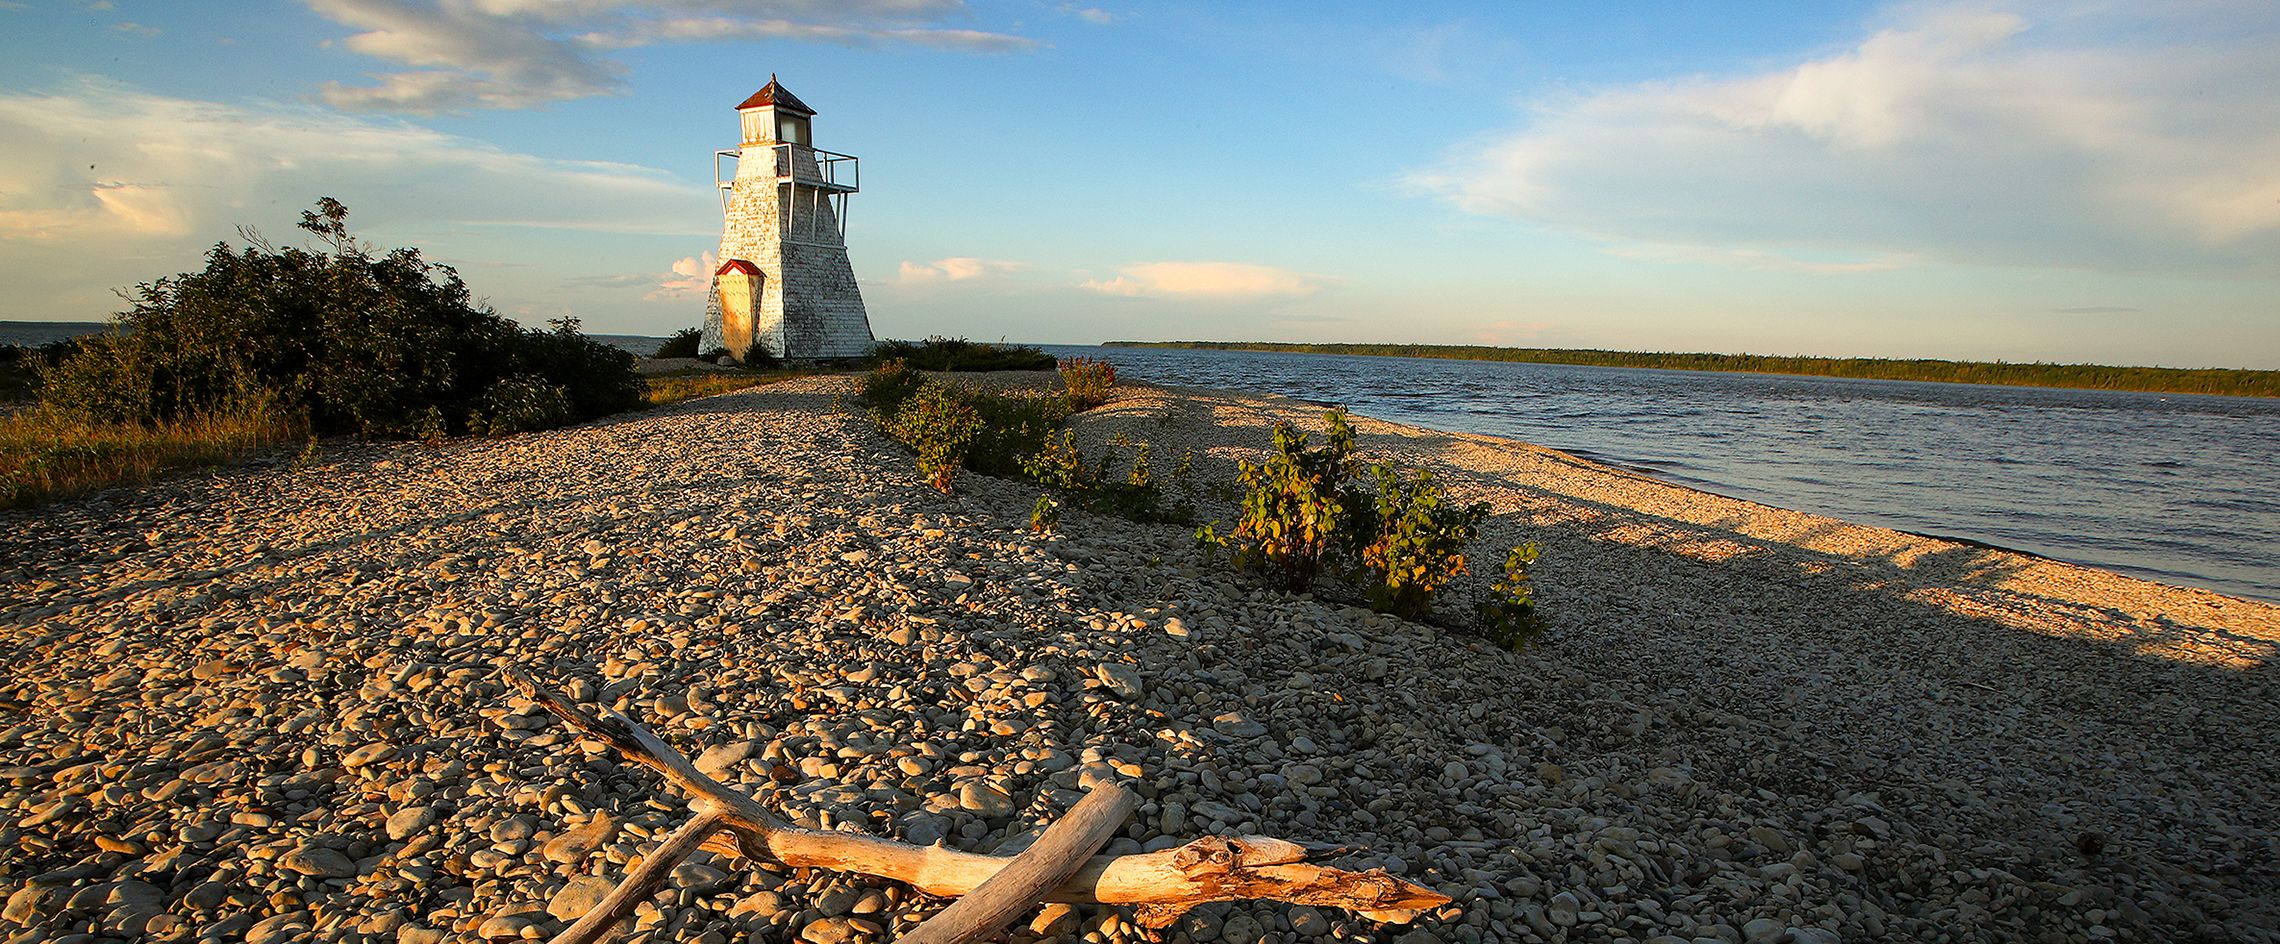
887,387
379,344
519,404
1508,616
958,354
940,423
1014,427
1417,546
1136,495
1298,506
1305,513
683,343
1088,379
1045,516
758,357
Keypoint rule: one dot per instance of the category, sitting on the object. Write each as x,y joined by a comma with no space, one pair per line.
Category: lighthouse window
791,130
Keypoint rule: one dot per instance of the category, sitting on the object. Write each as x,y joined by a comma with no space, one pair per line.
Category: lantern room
774,115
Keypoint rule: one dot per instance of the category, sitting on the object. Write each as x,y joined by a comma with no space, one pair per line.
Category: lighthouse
784,287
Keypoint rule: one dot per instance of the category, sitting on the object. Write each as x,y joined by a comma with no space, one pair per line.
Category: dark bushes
381,345
959,354
683,343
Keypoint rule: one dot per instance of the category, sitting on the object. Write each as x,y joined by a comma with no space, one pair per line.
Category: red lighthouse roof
777,95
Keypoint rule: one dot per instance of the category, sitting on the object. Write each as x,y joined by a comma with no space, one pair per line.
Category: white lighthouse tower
784,286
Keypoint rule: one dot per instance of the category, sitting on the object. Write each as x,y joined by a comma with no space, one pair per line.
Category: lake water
2176,488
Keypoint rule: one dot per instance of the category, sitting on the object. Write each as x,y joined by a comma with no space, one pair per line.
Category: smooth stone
507,927
574,846
719,759
1563,909
1762,931
984,799
829,931
318,861
578,896
1120,679
698,878
410,821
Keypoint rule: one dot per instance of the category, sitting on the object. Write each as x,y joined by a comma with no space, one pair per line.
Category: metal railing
828,178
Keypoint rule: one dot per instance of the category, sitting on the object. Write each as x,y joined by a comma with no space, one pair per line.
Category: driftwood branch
1056,856
1162,885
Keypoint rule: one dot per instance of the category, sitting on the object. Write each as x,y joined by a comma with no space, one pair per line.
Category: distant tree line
2222,381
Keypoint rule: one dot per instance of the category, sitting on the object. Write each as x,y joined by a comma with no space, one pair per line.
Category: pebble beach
265,703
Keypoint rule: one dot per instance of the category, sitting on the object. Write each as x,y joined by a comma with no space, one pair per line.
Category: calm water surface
2175,488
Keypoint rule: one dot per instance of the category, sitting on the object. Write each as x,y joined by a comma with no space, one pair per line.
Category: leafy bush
1298,506
683,343
1136,495
959,354
519,404
986,431
1014,427
940,423
1088,380
1418,545
1305,513
758,357
1508,616
379,344
887,387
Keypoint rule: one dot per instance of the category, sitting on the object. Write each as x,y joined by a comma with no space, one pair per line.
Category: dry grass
689,385
44,457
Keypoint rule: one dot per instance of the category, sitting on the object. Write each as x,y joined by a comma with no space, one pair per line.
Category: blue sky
2085,181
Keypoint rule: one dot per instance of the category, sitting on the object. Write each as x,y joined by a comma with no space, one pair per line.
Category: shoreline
1746,723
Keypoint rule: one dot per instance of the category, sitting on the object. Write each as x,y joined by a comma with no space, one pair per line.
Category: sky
2068,181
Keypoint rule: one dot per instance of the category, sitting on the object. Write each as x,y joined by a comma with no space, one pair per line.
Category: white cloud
1094,15
2108,137
955,269
138,29
1222,280
102,185
521,53
102,160
689,278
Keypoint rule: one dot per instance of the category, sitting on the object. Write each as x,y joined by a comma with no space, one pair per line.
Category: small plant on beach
1400,540
1507,617
1298,506
1088,380
1045,517
887,387
940,424
1014,427
683,343
1136,494
1417,545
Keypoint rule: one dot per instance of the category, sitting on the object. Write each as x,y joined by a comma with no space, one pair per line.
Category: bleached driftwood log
1161,885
